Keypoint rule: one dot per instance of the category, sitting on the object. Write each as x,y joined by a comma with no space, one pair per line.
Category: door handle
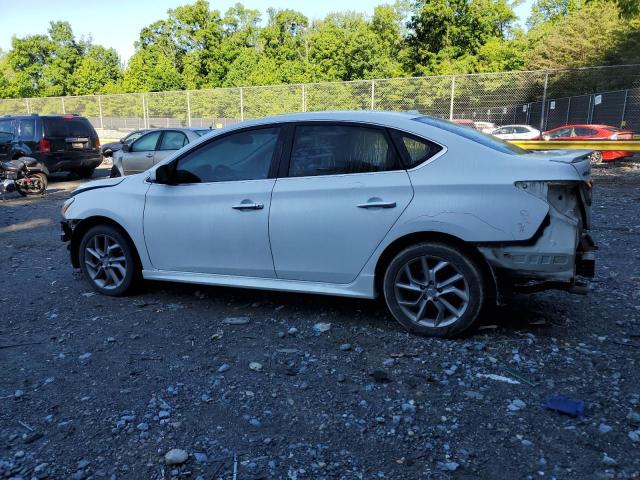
248,206
377,205
149,155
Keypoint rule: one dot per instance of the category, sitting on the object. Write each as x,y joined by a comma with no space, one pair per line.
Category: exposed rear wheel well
85,225
413,238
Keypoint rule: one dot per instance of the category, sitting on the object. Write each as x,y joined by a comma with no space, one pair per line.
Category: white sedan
437,218
516,132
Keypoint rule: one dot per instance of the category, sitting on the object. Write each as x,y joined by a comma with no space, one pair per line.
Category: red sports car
592,132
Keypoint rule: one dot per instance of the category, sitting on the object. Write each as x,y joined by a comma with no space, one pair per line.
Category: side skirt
362,287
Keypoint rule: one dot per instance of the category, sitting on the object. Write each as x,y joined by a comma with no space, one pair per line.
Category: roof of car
583,125
517,125
345,115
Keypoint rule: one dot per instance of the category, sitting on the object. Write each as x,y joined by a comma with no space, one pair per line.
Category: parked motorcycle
25,175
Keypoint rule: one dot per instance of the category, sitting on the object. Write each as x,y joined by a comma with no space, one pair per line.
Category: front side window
246,155
132,137
340,149
563,132
146,143
585,132
173,141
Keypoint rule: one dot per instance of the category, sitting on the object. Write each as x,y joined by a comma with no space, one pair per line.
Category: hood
103,183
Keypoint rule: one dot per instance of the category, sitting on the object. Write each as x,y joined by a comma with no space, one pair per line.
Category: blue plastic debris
567,405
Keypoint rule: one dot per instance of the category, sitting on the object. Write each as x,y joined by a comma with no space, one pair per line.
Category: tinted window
584,132
418,150
67,127
173,141
26,129
474,135
6,125
146,143
245,155
339,149
520,130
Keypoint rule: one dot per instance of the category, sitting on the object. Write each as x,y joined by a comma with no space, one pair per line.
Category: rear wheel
108,261
33,184
434,289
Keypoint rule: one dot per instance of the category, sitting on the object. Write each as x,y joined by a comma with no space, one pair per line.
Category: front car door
171,141
214,219
141,152
343,190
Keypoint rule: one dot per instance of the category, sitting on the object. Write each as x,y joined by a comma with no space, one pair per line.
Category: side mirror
163,175
126,147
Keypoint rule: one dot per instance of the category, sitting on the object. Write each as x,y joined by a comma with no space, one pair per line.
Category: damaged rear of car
561,254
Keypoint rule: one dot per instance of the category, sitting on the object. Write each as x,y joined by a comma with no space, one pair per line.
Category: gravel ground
184,381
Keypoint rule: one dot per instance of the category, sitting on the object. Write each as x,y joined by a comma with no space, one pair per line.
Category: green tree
98,70
443,32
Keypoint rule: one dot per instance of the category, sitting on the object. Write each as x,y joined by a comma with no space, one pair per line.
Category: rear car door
141,153
171,141
339,195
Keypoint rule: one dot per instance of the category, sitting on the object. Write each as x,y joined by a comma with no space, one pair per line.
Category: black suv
64,143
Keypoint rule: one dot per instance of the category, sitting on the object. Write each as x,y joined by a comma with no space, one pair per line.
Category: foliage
196,47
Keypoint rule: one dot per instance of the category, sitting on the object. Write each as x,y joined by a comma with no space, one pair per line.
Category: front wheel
434,289
32,185
86,172
108,261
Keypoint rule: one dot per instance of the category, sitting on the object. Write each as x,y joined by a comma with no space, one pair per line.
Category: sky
117,23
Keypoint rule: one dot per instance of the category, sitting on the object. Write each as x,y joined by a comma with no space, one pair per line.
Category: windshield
470,134
203,132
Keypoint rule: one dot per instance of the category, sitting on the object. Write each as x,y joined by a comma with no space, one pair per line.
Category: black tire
402,289
125,249
37,187
86,173
114,172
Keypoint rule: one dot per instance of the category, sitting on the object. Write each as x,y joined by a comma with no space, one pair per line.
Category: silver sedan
152,148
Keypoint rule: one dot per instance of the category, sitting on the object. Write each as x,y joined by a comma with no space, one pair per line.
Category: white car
436,217
516,132
485,127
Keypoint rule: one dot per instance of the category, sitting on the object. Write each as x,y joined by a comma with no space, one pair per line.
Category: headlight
66,205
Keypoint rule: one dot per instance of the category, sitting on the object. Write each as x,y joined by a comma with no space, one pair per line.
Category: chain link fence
543,99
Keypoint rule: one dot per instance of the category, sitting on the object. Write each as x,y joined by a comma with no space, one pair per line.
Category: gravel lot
98,387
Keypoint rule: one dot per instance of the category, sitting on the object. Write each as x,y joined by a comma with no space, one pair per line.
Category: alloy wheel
431,292
106,261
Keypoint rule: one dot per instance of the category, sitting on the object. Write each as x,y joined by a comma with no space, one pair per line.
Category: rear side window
26,129
173,141
67,127
340,149
474,135
418,150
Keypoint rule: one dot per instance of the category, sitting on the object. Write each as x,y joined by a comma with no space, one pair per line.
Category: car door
340,194
171,141
214,219
141,153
